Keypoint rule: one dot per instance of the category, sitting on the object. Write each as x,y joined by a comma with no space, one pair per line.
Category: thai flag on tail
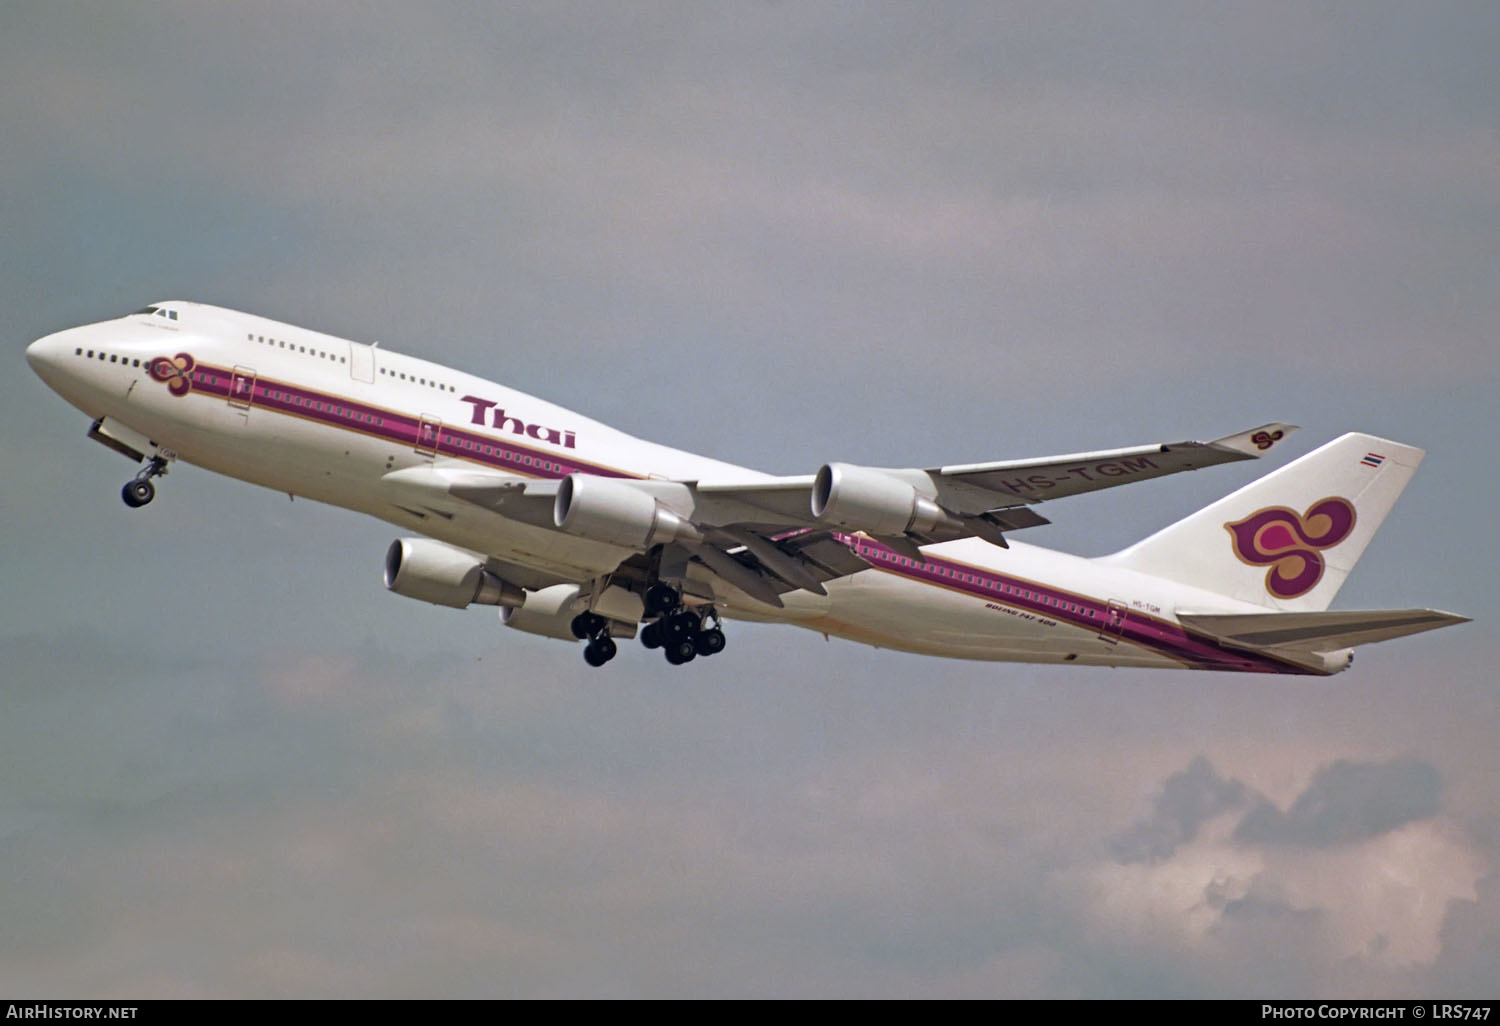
1372,459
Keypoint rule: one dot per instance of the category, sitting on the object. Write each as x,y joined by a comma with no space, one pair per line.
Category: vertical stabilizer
1288,540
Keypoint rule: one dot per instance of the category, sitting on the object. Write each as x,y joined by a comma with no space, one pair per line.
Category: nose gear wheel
139,490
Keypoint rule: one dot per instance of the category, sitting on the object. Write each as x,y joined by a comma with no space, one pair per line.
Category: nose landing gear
139,490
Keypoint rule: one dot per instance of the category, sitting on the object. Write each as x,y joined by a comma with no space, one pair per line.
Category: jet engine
421,568
605,509
550,612
876,501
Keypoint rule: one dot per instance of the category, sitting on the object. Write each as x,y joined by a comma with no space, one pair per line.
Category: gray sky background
231,764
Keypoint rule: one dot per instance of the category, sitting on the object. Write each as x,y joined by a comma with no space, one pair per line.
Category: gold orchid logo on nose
176,371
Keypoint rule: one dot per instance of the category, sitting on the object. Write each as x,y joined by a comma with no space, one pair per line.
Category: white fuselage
329,419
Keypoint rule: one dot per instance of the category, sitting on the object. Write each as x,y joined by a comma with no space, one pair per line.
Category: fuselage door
1114,621
362,362
429,430
242,387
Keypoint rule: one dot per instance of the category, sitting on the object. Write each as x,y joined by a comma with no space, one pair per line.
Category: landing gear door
429,430
242,388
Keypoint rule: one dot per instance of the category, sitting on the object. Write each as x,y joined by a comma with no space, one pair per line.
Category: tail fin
1288,540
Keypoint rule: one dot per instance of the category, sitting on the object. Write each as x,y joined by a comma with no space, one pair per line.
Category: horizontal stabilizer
1317,631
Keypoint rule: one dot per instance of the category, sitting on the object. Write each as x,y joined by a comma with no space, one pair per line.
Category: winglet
1257,441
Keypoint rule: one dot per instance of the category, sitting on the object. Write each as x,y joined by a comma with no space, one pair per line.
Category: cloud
1186,801
1471,940
1362,877
1347,802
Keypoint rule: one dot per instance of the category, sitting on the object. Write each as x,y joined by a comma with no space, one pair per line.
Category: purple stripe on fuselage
399,428
1139,628
1066,607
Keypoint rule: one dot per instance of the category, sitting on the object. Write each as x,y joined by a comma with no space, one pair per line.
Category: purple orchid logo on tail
1291,543
176,371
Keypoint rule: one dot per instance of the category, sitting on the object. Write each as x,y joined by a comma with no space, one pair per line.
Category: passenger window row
320,354
454,441
429,382
113,357
281,343
312,404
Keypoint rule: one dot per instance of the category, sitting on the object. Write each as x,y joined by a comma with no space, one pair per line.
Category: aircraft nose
46,354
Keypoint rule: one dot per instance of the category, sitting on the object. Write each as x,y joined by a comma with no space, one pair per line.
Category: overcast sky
781,234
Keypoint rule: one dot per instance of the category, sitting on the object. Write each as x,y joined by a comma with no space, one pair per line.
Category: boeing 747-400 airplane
581,532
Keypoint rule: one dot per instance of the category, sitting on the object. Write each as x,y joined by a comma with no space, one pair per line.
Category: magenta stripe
1141,629
402,429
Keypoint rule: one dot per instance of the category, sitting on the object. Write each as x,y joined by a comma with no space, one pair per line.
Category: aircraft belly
889,611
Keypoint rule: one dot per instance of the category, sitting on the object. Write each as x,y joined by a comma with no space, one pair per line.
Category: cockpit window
157,311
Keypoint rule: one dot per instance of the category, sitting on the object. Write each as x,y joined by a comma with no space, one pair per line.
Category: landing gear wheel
709,642
138,492
680,650
660,598
679,625
651,635
586,625
599,651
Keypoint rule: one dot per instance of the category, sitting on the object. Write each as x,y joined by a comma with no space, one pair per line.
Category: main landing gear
139,490
601,647
679,632
682,634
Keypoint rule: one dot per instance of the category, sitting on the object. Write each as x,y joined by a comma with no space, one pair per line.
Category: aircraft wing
982,499
758,522
975,486
445,492
772,535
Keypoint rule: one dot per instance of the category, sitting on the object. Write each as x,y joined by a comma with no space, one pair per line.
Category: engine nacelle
616,512
550,611
1338,661
876,501
421,568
